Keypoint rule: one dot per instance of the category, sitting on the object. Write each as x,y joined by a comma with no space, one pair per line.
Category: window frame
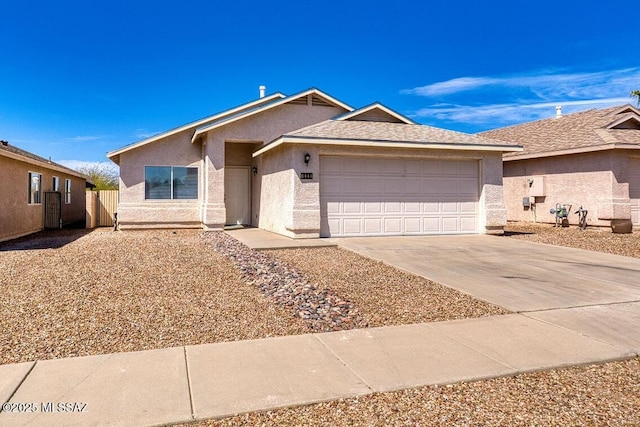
55,183
32,196
67,191
171,178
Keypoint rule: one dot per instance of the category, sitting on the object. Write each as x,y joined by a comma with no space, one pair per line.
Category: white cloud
76,164
460,84
501,114
524,97
87,138
545,84
143,134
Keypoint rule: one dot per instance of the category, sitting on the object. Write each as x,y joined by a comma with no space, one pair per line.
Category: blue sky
78,79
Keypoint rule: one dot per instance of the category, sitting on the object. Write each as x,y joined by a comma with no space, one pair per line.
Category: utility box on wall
536,186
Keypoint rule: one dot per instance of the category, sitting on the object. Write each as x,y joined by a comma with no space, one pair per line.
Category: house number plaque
306,175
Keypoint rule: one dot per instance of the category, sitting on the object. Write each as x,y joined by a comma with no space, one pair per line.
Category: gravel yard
605,395
599,239
383,294
106,292
75,293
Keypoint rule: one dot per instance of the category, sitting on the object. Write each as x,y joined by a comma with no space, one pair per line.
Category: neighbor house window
56,183
67,191
35,188
170,182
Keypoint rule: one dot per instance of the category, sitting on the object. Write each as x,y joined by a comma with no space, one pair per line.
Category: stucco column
304,221
493,212
213,207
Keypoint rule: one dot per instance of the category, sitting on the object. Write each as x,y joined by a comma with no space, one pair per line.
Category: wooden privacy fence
101,207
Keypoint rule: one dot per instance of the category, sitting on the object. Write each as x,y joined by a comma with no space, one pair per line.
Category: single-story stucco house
37,193
309,165
589,159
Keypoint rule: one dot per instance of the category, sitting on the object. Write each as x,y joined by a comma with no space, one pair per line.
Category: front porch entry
237,198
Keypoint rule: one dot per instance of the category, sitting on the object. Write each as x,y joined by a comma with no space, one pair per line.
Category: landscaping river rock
321,309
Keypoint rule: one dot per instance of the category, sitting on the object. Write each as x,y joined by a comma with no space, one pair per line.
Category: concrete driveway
520,276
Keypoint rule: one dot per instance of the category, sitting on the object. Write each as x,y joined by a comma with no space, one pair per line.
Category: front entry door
237,190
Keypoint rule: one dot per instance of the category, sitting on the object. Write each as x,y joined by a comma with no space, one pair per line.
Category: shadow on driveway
46,239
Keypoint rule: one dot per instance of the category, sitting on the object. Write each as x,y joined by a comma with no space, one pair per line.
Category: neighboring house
589,159
309,165
28,204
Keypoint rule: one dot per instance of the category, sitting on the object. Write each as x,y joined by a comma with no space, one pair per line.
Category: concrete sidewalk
216,380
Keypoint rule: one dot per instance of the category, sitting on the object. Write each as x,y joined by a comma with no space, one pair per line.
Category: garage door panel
372,185
413,186
467,207
372,207
431,185
431,207
392,207
412,225
334,207
413,167
468,224
449,207
393,186
449,224
412,207
363,196
431,225
392,225
351,208
373,226
352,226
332,164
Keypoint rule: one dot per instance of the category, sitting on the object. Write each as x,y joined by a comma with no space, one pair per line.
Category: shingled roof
381,134
591,130
14,152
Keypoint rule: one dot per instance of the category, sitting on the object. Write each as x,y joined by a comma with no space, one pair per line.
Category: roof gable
376,112
309,97
590,130
628,121
114,155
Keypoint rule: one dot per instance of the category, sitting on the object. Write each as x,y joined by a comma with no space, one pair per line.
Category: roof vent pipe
558,111
262,90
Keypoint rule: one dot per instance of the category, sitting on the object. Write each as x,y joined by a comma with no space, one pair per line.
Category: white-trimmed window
56,184
35,188
67,191
170,182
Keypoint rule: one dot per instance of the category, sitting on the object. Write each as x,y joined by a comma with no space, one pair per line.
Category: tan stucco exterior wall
209,155
18,217
136,212
263,128
298,212
596,181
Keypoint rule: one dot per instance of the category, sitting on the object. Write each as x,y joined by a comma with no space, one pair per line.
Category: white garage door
391,196
634,190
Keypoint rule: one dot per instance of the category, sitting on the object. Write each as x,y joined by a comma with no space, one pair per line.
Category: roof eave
282,101
43,164
372,106
197,123
286,139
591,149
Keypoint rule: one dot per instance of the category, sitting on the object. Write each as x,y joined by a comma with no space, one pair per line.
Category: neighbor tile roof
571,132
391,132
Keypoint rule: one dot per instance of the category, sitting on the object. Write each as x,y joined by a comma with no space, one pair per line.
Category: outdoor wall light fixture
255,170
307,157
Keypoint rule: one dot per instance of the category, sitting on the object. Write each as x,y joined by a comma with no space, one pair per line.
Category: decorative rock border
321,309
